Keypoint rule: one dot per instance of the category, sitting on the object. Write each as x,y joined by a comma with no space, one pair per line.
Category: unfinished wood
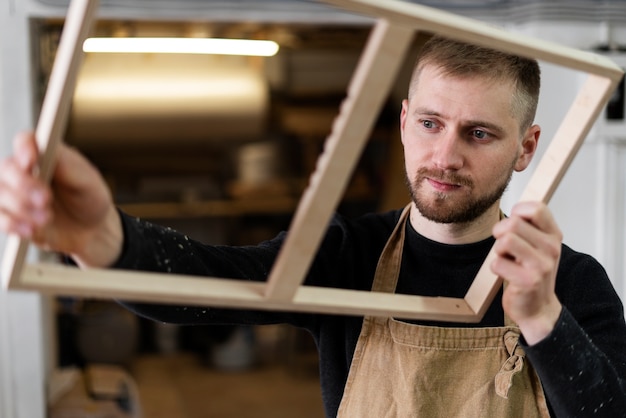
219,292
469,30
367,92
54,114
371,83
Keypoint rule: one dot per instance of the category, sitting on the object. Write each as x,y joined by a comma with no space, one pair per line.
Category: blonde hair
460,59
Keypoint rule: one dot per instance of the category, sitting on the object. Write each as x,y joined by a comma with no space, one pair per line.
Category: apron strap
387,271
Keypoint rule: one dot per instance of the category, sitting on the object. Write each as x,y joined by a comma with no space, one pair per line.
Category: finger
20,190
512,246
10,225
25,151
537,214
525,255
522,238
518,261
24,201
513,273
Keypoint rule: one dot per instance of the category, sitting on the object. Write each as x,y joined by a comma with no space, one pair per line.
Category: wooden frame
396,25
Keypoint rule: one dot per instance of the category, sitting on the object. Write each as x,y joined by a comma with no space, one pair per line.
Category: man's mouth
442,186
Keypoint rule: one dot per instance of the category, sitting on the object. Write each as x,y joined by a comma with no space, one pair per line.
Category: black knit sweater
581,364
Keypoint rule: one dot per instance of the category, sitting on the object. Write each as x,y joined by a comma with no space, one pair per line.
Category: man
552,343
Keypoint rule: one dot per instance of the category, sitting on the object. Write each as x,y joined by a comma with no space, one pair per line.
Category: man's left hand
528,248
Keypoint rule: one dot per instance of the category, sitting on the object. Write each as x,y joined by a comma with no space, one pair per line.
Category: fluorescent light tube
182,46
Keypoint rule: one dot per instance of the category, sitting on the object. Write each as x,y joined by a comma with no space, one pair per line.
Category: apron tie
512,365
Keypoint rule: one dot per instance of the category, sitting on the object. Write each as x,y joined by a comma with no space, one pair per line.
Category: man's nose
447,154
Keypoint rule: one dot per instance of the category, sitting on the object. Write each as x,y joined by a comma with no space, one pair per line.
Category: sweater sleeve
578,378
582,363
149,247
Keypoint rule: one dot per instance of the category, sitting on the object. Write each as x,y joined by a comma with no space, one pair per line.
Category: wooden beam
369,87
465,29
229,293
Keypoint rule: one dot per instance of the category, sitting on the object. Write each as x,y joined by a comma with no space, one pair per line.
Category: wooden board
397,23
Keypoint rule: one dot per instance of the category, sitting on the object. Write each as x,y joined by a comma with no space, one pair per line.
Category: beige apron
407,370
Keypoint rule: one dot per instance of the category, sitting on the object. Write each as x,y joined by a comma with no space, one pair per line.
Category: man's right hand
74,214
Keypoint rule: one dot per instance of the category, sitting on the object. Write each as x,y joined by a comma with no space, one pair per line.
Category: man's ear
528,147
403,116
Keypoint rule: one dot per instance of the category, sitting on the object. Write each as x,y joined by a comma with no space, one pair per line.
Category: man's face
461,145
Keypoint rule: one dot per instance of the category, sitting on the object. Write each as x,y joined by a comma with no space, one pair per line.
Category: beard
446,209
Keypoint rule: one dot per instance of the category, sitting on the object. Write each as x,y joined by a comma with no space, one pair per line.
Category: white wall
23,348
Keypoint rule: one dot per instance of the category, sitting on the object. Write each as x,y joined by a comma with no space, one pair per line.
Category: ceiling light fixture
182,46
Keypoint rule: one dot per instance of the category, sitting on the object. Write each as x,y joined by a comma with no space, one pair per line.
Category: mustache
443,176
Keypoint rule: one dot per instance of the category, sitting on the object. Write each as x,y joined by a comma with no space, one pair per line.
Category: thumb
26,151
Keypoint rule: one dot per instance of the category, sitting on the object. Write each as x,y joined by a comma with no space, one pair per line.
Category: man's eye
479,134
428,124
